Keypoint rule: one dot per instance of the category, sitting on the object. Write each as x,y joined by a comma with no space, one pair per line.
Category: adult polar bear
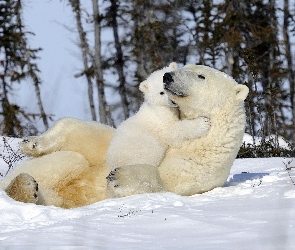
73,153
79,178
203,164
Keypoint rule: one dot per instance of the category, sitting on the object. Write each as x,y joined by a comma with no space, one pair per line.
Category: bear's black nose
168,78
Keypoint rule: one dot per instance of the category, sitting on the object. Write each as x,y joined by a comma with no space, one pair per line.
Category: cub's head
199,90
153,88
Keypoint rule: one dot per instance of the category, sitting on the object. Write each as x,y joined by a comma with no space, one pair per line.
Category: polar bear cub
145,137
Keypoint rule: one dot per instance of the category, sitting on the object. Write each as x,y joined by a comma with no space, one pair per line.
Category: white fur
68,163
68,160
145,137
204,163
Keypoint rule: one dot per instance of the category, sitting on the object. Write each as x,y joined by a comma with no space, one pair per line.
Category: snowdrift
254,210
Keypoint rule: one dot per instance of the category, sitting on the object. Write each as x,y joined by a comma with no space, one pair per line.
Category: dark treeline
249,40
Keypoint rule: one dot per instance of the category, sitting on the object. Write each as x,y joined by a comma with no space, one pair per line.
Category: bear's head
200,90
153,88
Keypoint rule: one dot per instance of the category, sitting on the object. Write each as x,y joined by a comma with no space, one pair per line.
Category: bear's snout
168,79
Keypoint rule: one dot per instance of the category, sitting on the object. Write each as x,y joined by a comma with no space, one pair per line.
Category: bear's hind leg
23,188
133,179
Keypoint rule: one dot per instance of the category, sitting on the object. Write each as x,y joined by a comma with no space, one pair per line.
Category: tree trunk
32,72
120,61
84,49
104,110
38,95
291,75
11,124
271,81
230,60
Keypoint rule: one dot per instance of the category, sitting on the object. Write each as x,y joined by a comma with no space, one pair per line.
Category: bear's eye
201,77
162,93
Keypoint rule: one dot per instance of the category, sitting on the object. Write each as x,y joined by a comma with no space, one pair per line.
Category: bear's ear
173,66
241,92
143,86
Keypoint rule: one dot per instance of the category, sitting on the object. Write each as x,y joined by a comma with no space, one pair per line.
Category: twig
10,156
288,169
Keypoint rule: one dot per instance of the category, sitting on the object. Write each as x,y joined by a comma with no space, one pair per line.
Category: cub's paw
203,123
134,179
202,126
23,188
31,146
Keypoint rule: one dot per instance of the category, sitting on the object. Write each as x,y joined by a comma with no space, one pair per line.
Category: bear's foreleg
49,141
188,130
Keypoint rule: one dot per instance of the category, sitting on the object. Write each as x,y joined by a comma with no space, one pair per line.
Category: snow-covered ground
254,210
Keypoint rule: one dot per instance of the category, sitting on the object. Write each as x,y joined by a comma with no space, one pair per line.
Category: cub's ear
173,66
143,86
241,92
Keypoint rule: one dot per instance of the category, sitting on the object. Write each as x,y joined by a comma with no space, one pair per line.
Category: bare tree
85,51
32,72
290,67
104,110
119,63
37,83
92,62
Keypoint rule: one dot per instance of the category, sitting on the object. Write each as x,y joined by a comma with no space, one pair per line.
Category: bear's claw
133,179
30,143
112,180
111,176
35,145
31,146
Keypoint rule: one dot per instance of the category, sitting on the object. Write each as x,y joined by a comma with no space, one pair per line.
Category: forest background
119,43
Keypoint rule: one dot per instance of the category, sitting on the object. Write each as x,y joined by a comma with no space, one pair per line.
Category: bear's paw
23,188
134,179
33,146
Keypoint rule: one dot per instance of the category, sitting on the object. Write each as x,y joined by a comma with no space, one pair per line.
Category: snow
254,210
